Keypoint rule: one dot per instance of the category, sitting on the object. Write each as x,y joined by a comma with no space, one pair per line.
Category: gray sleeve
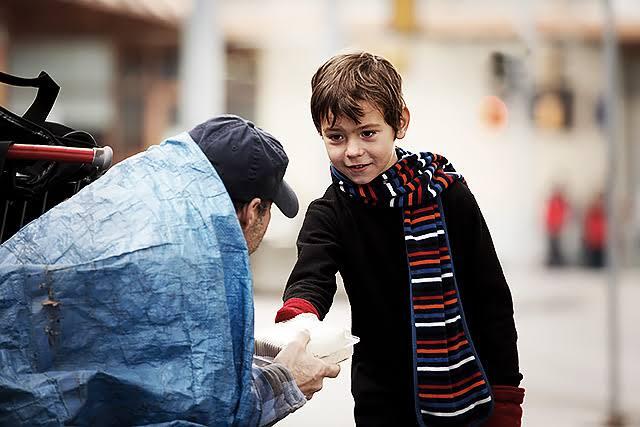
277,392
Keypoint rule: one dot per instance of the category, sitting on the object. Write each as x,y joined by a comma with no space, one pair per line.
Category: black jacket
366,245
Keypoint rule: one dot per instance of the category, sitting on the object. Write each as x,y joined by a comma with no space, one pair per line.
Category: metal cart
41,163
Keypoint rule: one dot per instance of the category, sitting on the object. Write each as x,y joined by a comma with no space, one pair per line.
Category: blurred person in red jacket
556,218
594,232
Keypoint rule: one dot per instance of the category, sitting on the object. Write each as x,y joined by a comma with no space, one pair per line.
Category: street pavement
563,329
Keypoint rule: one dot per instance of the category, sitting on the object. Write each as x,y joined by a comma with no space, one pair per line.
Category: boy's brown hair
344,80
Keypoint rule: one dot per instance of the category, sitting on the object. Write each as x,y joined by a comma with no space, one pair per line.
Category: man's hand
308,371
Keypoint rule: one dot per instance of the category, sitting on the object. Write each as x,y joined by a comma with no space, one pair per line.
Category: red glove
294,306
507,410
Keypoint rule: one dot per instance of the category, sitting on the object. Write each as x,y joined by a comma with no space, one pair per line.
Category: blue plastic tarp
131,302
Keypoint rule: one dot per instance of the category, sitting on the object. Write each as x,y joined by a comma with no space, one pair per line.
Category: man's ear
404,123
249,213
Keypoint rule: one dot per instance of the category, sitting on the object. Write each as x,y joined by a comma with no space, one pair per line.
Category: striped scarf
450,385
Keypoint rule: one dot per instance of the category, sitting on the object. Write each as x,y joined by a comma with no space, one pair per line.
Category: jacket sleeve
486,297
313,278
277,394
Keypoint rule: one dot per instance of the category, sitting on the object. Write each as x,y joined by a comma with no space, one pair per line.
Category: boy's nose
354,149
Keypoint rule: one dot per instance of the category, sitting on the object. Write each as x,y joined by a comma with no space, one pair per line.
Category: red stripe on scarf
428,298
428,306
424,262
423,253
433,342
442,181
456,394
443,350
422,218
429,208
445,387
373,194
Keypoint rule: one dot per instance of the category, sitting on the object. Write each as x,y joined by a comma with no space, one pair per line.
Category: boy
428,296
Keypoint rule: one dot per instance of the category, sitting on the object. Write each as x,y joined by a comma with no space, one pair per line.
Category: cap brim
286,200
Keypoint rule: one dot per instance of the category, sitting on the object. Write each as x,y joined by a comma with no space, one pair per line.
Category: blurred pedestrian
594,233
556,217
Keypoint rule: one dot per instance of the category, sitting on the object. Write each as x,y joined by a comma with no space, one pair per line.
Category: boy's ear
249,213
404,123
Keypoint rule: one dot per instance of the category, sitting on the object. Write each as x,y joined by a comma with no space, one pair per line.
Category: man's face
255,230
361,151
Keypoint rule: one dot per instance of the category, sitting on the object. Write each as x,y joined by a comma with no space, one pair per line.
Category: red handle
100,157
50,152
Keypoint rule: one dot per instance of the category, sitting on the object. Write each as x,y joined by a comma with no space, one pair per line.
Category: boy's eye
336,137
368,133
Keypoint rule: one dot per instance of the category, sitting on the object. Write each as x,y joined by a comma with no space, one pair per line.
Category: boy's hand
308,371
507,410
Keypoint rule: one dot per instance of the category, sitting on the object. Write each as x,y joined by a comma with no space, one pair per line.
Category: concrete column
202,65
530,253
611,84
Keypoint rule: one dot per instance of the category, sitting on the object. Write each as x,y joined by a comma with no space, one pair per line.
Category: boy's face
362,151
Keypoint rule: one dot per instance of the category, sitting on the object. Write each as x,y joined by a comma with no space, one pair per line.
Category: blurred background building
510,91
118,63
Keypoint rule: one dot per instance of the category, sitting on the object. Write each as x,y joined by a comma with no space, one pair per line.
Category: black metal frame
29,188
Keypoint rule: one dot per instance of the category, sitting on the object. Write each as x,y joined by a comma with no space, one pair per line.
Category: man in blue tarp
131,303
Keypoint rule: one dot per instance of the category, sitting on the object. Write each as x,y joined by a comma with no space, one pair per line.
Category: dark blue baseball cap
250,162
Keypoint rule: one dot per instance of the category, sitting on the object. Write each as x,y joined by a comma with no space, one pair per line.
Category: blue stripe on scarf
452,357
458,403
447,314
430,316
416,273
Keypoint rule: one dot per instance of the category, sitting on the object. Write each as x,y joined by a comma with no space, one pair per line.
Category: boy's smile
364,150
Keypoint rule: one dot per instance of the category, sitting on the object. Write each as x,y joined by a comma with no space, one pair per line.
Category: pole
614,415
202,65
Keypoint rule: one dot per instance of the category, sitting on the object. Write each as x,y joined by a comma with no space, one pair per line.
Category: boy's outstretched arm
312,283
